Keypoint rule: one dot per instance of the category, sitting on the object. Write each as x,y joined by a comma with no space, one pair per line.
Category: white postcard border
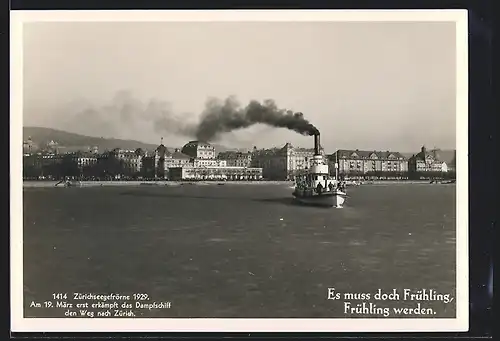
21,324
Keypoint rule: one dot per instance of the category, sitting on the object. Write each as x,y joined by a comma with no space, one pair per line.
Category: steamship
316,187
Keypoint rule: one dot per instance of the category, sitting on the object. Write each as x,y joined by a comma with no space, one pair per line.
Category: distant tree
69,166
160,168
114,166
148,167
139,152
108,166
31,168
53,169
89,171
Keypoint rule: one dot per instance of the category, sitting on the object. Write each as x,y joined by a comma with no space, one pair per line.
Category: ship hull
332,199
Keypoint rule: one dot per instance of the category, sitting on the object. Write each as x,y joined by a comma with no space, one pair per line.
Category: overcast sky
363,85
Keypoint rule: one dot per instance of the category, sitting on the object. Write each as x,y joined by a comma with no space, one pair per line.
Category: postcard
239,171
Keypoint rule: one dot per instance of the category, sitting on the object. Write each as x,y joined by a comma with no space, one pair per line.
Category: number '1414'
60,296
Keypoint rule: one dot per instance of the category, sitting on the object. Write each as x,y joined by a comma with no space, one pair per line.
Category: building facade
215,173
177,159
272,164
83,159
164,160
372,163
131,160
52,147
202,154
199,150
426,162
29,146
209,163
283,163
236,159
197,161
160,154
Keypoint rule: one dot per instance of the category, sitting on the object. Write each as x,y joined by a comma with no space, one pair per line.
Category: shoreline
40,184
46,184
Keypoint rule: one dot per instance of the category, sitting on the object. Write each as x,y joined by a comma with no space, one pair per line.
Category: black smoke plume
125,115
223,117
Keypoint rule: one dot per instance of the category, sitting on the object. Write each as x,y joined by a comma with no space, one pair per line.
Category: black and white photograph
240,171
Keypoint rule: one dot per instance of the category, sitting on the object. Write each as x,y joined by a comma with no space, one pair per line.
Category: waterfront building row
196,161
199,160
288,161
364,163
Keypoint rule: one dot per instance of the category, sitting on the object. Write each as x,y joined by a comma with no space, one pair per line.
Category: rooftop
368,154
198,144
162,150
179,155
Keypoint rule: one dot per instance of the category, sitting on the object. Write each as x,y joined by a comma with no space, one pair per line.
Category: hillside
41,136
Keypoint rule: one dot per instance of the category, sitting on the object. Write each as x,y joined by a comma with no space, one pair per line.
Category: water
238,250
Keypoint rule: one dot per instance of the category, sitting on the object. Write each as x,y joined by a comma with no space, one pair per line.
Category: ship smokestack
316,144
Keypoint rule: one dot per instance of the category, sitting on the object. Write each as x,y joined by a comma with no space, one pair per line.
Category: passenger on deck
319,188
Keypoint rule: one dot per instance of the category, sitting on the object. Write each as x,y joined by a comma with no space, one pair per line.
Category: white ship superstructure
316,187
